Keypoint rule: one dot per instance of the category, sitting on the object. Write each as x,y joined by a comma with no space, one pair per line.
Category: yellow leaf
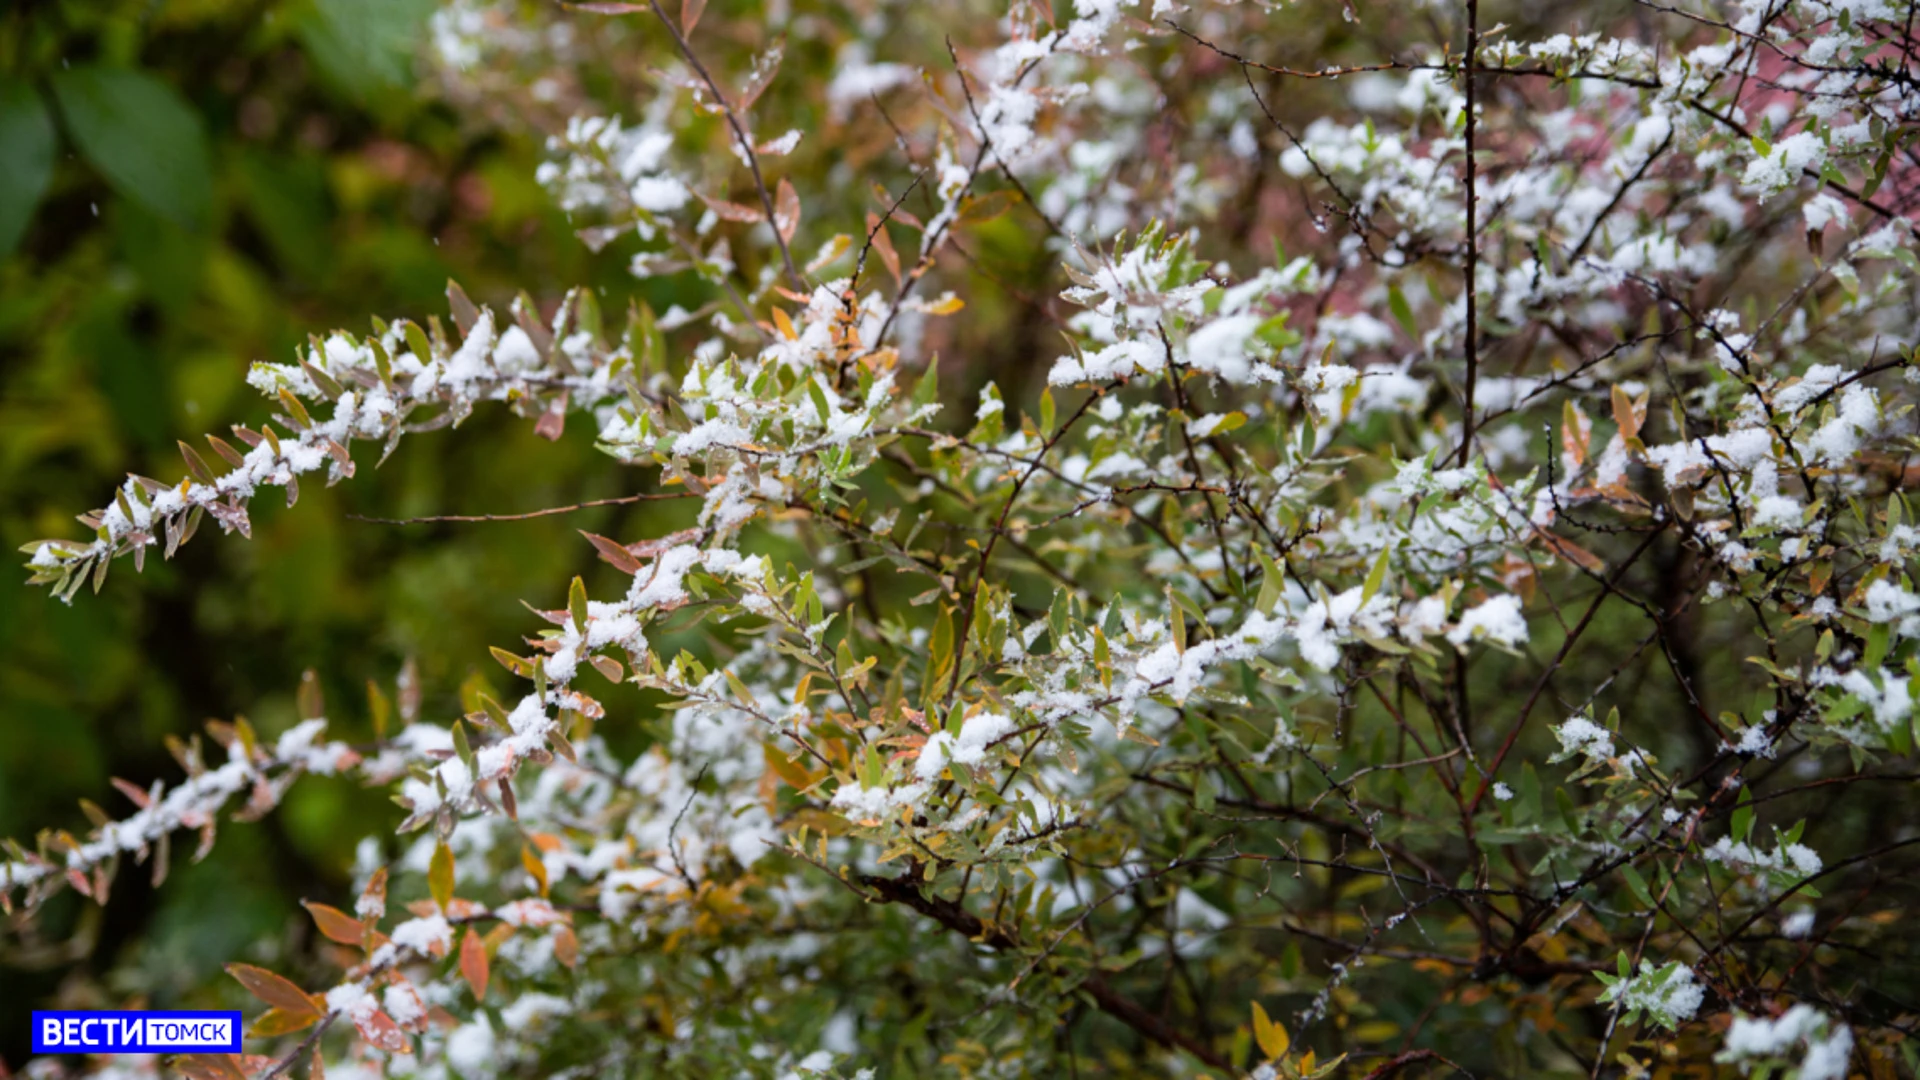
281,1022
535,867
1272,1037
440,875
787,769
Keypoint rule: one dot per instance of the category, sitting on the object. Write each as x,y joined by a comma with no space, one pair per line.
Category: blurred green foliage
192,185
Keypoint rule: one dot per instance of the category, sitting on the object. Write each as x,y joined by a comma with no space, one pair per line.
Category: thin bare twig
622,500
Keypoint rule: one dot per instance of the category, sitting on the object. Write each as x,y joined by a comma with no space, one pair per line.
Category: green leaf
939,655
1376,577
1402,311
286,197
462,748
577,604
27,146
1879,640
1046,412
1638,884
1179,621
819,400
1272,584
926,390
143,137
1743,815
363,46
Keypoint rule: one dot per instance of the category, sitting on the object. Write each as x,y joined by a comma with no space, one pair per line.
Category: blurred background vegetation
189,186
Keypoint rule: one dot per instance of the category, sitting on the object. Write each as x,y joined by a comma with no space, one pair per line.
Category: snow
428,935
976,735
1498,620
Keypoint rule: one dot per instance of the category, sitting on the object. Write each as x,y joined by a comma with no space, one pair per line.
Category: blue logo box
176,1031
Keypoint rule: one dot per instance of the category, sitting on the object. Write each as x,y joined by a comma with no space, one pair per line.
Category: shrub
1474,642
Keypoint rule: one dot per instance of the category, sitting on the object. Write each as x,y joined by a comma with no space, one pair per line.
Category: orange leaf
281,1022
337,925
273,989
1573,552
1576,433
566,947
473,963
883,245
375,894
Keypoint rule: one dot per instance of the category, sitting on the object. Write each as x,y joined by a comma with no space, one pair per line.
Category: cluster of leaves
1251,649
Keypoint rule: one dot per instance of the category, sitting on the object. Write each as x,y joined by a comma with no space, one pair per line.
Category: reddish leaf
566,947
465,315
380,1030
765,67
610,7
732,211
553,422
139,797
613,552
608,667
690,12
